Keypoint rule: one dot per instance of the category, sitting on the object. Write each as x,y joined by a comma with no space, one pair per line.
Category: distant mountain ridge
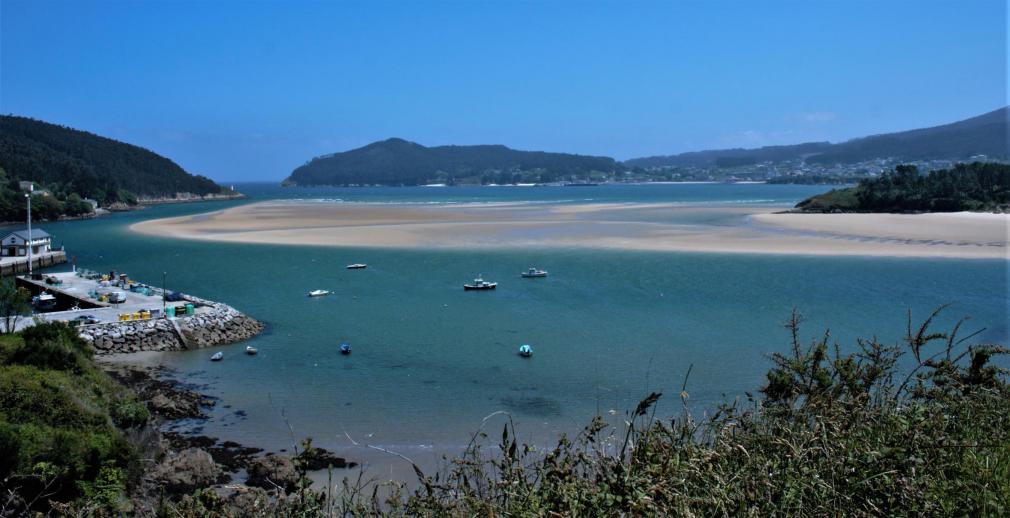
89,164
985,134
397,161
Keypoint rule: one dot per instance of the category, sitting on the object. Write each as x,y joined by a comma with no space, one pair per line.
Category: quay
149,319
10,266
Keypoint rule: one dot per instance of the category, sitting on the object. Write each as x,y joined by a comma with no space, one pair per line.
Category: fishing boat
318,293
218,356
345,348
44,301
480,284
525,351
250,350
357,266
533,272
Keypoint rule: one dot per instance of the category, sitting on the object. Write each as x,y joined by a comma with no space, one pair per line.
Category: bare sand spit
657,227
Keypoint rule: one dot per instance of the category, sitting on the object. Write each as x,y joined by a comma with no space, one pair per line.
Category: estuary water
430,361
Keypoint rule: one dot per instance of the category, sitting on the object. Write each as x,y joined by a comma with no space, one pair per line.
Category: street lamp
164,313
28,196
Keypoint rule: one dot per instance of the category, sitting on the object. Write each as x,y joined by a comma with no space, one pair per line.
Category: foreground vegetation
921,427
965,187
64,424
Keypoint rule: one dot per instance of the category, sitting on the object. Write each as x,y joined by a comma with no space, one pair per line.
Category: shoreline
660,227
178,462
141,205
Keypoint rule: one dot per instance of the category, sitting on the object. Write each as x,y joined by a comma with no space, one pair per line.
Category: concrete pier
139,323
14,265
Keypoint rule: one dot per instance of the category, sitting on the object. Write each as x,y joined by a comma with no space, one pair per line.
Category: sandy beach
656,227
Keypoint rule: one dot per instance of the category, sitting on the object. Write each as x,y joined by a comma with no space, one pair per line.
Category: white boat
217,356
44,301
318,293
250,350
533,272
480,284
356,266
525,351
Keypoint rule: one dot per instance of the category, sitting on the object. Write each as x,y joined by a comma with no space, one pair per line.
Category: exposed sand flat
658,227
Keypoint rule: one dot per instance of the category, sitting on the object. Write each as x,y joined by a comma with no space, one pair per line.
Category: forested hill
90,165
986,134
980,187
399,162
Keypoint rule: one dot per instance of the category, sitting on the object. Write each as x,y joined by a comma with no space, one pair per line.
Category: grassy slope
62,420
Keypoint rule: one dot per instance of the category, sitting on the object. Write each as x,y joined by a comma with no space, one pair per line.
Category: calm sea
430,360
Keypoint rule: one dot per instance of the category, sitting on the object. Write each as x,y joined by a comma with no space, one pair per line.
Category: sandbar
668,227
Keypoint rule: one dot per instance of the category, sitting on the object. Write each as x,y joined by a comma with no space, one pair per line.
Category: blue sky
249,90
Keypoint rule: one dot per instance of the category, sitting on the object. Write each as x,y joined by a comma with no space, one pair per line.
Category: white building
16,243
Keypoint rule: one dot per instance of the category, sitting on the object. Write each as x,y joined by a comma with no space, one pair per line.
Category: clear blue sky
249,90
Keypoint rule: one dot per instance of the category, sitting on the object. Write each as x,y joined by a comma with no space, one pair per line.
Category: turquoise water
430,360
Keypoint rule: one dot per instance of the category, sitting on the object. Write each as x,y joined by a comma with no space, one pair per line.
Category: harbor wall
11,267
221,325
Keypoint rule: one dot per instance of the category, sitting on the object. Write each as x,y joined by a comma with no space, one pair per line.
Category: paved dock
80,290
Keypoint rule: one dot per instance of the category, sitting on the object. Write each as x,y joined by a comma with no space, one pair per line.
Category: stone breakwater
222,324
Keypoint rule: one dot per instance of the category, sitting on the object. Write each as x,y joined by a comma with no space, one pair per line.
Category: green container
190,309
170,311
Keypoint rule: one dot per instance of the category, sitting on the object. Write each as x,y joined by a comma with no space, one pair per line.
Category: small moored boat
217,356
356,266
533,272
480,284
525,351
250,350
44,301
345,348
318,293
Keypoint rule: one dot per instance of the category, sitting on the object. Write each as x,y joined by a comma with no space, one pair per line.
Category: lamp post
164,313
28,196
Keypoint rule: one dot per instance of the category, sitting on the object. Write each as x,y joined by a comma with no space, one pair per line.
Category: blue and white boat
345,348
525,351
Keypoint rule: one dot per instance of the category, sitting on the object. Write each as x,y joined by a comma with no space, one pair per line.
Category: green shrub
52,346
129,413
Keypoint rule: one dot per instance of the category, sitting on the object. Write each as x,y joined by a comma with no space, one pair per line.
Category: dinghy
318,293
345,348
217,356
250,350
525,351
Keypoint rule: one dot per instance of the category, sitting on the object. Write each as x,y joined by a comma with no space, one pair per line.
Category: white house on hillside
16,243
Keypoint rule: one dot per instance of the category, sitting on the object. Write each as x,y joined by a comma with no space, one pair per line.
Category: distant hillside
399,162
983,135
90,165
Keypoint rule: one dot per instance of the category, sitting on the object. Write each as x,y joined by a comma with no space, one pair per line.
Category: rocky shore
177,464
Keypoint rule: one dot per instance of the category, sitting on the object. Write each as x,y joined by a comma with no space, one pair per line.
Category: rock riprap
215,324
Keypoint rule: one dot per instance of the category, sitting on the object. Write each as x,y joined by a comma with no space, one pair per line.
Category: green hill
399,162
983,135
980,187
89,165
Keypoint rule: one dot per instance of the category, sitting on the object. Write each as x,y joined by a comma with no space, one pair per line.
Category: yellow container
123,317
136,316
146,315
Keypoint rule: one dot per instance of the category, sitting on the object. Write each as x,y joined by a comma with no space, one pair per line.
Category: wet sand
631,226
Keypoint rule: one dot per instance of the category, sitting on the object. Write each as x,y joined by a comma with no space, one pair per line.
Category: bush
52,346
